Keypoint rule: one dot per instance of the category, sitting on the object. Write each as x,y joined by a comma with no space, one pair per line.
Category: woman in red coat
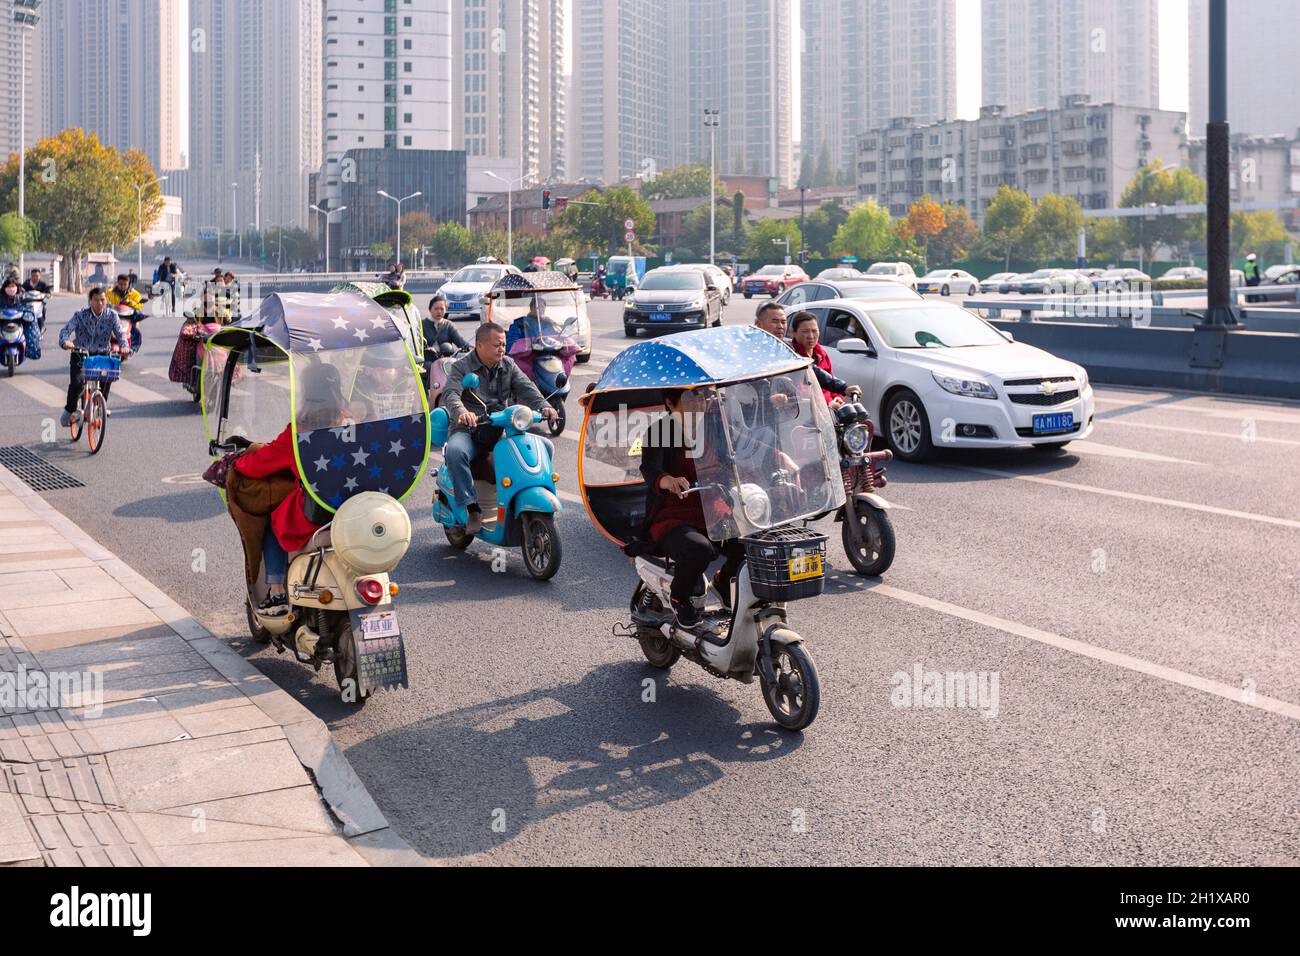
804,334
321,406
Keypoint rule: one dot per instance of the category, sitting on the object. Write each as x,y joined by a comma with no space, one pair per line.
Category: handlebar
233,443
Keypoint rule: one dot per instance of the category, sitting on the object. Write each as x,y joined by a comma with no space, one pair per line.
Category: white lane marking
1235,436
135,393
1134,496
39,390
1118,451
1240,414
1115,658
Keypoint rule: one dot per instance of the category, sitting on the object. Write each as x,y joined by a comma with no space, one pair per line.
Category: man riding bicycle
95,329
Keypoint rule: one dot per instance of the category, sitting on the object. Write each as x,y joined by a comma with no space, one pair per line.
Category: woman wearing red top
804,334
321,406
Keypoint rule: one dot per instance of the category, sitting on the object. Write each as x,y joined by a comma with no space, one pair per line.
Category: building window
406,140
406,68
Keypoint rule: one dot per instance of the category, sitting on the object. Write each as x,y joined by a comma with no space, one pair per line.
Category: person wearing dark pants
94,329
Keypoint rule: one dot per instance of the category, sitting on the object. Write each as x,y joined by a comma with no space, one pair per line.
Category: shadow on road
199,504
519,761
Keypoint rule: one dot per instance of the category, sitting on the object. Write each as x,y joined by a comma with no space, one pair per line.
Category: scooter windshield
361,421
764,454
257,405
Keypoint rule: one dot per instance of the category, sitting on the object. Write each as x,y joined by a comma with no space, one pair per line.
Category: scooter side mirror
561,380
470,381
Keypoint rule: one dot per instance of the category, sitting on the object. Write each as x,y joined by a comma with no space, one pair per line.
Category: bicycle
92,407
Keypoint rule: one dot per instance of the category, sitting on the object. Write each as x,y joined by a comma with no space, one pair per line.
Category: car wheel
907,427
584,357
629,331
944,291
749,295
780,290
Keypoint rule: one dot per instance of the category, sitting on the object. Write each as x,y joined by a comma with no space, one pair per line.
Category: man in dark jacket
501,384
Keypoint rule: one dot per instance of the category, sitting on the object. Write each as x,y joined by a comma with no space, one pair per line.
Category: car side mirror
854,346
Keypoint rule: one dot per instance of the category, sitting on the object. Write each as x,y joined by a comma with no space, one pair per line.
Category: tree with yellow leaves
925,219
81,195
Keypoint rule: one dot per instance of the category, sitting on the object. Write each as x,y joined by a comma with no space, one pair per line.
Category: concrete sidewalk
190,757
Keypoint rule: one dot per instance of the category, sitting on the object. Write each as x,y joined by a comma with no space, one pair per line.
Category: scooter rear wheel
259,634
795,695
658,650
345,659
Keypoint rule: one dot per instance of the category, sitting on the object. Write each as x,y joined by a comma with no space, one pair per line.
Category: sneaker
275,605
475,523
65,420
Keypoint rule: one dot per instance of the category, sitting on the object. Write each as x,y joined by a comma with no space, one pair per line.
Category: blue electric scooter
515,486
19,339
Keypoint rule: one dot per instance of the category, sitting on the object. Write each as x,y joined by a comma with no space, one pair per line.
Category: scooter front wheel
541,546
868,537
557,426
458,538
794,695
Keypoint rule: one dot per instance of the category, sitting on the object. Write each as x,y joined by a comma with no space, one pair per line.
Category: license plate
457,306
806,566
660,315
379,624
1054,423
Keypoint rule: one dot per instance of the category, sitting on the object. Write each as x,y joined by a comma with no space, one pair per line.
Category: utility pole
711,122
803,232
26,17
1220,313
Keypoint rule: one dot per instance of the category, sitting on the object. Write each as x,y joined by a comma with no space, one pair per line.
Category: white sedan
465,290
934,375
948,282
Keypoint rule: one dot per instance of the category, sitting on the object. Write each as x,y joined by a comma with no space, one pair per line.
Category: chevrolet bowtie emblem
1049,388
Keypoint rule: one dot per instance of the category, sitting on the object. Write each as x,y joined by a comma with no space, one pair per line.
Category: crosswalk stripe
134,393
41,391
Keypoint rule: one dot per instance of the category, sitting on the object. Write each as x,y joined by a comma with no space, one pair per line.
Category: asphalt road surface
1135,597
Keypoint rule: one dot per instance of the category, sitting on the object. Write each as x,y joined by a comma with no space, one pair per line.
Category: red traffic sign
630,237
629,224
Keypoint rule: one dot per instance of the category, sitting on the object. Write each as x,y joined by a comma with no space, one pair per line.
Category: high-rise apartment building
508,84
867,61
113,68
14,66
255,113
1037,51
1263,72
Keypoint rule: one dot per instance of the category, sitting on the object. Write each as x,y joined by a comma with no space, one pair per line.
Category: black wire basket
786,564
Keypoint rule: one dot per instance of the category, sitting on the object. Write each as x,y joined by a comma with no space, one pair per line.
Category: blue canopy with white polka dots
704,357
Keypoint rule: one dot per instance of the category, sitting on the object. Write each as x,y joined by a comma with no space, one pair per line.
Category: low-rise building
1265,169
1085,150
530,218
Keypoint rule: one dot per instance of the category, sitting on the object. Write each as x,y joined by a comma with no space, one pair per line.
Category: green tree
738,221
488,242
825,175
806,173
81,195
1107,240
821,225
418,230
866,233
953,241
681,182
381,250
17,235
1259,232
1155,184
601,224
1007,218
767,240
452,244
1053,233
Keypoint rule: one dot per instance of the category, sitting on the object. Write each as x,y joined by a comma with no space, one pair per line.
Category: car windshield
883,269
857,290
938,274
933,328
476,274
617,268
672,281
770,271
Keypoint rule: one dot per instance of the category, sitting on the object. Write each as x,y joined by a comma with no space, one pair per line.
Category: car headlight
1083,379
522,418
968,387
629,302
856,439
697,304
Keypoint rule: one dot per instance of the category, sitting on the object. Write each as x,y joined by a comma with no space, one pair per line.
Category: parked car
1056,282
898,271
772,280
864,288
993,282
1008,285
935,375
947,282
673,299
839,272
467,287
1183,273
1118,280
1287,276
716,277
1272,272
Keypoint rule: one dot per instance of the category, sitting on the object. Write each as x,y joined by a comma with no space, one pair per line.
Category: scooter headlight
522,418
856,439
756,505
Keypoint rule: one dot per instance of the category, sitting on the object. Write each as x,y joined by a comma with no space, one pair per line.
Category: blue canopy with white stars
311,322
692,359
386,456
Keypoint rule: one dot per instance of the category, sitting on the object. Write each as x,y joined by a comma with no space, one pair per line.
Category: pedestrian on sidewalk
94,329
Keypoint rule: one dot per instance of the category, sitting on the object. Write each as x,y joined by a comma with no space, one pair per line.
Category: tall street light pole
327,213
139,212
26,17
399,218
711,122
234,213
510,211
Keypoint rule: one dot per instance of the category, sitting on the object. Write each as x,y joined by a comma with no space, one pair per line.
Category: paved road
1136,597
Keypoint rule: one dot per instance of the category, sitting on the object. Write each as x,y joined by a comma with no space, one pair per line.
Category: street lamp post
399,217
510,212
139,211
327,213
1220,312
26,17
234,214
711,122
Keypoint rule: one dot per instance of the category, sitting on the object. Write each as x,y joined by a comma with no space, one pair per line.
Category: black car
819,289
674,299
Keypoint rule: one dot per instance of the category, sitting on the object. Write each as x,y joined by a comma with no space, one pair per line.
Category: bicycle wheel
79,416
96,421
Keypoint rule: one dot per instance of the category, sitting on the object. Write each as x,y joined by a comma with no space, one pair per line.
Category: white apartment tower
1263,71
867,61
1035,52
509,85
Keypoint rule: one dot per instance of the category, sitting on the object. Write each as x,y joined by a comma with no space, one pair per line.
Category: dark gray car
674,299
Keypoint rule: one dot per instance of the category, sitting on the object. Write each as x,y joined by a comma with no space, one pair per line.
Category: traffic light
546,199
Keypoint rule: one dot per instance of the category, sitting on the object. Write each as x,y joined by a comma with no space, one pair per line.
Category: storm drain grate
35,472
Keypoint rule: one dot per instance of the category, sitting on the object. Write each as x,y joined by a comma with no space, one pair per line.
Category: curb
363,825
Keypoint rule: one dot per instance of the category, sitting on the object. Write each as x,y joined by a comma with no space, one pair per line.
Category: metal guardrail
1127,312
1288,293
